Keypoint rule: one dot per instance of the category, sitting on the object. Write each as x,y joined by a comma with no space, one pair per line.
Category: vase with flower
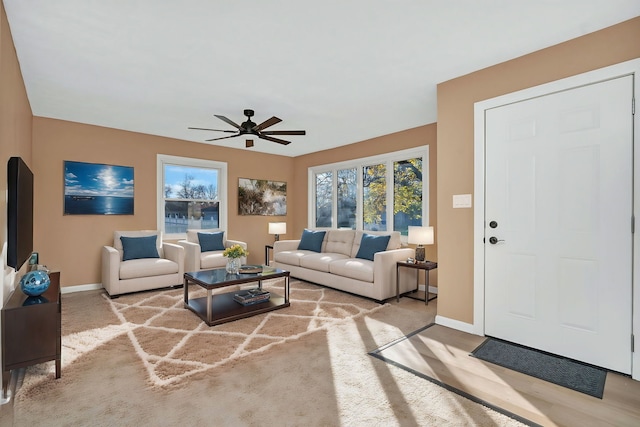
233,255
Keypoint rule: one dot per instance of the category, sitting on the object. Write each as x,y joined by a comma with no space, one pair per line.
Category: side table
31,330
266,253
426,266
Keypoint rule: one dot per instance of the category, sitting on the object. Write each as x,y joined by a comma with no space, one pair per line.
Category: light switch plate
461,201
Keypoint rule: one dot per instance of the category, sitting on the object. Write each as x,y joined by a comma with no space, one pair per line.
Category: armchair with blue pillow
139,261
204,248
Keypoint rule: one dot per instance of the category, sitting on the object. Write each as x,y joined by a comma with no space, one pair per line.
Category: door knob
494,240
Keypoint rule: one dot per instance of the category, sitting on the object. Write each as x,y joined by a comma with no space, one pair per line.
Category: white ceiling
343,70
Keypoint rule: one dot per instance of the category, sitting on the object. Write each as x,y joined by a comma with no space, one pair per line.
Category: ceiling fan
249,128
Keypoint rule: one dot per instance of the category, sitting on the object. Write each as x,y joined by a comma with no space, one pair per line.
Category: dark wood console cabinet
31,330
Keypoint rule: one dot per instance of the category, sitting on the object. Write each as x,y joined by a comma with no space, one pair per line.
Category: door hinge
633,343
633,224
633,106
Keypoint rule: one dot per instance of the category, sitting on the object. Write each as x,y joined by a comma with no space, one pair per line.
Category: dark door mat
559,370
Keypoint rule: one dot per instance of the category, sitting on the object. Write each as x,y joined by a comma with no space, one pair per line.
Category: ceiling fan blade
217,130
279,141
269,122
284,132
226,120
249,143
223,137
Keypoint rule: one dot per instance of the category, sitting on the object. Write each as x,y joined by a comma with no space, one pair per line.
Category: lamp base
420,253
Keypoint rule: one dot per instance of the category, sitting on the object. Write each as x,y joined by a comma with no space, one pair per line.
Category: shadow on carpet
379,354
555,369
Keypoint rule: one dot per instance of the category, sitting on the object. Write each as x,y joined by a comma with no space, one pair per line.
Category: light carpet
174,344
144,360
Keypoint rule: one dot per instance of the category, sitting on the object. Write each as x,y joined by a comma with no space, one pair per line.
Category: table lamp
277,228
420,236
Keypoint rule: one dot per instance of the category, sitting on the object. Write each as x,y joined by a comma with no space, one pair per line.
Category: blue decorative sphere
35,283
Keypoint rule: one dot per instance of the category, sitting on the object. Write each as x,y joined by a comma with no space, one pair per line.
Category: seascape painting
97,189
262,197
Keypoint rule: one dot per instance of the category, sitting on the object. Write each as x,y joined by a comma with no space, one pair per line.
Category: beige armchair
195,259
135,266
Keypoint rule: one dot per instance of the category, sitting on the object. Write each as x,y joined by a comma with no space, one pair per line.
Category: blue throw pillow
311,240
371,244
211,241
139,247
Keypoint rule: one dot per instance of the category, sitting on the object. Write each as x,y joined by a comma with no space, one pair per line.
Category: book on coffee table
251,296
246,269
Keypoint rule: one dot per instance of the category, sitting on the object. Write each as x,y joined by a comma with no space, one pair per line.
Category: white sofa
195,259
141,274
337,266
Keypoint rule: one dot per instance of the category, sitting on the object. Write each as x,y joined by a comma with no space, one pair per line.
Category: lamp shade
277,228
420,235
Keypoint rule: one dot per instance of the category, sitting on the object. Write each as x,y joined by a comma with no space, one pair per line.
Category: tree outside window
191,198
394,181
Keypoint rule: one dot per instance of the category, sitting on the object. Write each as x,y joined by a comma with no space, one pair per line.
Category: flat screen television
19,212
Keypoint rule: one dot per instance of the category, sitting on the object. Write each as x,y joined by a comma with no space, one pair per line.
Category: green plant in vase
233,255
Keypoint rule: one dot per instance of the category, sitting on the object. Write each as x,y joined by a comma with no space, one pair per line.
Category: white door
559,189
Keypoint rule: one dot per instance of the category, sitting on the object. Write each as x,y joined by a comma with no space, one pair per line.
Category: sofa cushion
353,268
146,267
320,261
311,240
339,241
211,241
291,257
192,233
370,244
394,242
139,247
212,260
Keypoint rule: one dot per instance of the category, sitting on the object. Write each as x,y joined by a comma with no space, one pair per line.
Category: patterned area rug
174,344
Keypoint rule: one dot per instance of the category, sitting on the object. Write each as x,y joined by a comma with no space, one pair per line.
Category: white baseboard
432,289
81,288
456,324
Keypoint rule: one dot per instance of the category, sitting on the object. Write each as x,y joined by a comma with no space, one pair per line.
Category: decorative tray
251,269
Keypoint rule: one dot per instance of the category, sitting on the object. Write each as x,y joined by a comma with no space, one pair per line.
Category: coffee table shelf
215,309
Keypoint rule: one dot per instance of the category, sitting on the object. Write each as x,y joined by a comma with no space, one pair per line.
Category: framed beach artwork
262,197
97,189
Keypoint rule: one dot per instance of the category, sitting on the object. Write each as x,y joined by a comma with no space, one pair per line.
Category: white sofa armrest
230,243
384,271
285,245
110,269
174,253
191,255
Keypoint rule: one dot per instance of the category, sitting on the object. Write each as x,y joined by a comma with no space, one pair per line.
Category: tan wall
411,138
15,133
71,243
456,100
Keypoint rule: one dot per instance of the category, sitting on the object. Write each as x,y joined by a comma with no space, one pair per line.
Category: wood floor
442,354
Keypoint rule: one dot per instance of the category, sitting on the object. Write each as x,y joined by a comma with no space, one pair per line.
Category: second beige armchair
203,249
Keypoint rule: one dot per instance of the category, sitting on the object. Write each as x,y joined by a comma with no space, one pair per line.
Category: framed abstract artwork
262,197
97,189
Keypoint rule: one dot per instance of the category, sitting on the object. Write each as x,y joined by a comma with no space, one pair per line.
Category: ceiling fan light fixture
250,128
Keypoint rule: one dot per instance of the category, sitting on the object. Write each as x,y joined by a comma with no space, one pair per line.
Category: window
388,192
191,195
324,199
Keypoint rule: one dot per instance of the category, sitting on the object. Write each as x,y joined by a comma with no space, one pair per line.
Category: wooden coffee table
221,308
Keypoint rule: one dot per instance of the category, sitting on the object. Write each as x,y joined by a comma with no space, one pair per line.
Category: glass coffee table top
220,276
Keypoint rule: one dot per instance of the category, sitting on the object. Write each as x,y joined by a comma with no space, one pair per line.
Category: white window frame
388,159
165,159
